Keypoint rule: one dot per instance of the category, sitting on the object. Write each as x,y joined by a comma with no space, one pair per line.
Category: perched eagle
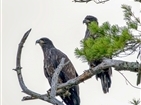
52,58
105,75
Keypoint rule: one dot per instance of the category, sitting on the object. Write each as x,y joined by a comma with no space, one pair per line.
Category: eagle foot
66,94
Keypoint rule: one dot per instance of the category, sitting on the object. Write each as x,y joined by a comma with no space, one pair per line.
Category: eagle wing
52,59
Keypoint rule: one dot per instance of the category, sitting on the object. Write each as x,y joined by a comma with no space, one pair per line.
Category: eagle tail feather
105,81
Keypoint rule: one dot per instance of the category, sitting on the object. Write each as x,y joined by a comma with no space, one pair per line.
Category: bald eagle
52,58
105,76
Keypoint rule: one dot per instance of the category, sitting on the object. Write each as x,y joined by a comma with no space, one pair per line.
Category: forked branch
20,77
57,89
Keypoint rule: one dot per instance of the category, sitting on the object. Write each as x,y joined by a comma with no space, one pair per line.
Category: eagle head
44,41
88,19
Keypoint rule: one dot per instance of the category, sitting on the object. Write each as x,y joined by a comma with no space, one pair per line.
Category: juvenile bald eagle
105,76
52,58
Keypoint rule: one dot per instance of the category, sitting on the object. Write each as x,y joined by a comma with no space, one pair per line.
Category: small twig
58,92
137,19
82,1
29,98
129,81
100,1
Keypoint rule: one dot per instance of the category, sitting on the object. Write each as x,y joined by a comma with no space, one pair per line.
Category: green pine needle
106,40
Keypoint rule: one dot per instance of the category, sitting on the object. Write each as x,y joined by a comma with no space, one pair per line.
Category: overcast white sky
60,21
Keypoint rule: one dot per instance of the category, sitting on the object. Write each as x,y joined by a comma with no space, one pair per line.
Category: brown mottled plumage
52,58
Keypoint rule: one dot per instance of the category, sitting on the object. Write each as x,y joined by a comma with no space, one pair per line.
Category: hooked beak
85,21
37,41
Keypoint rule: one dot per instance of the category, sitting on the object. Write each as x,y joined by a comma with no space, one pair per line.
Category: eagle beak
85,21
37,41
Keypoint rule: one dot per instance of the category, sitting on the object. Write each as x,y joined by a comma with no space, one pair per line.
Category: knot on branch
17,68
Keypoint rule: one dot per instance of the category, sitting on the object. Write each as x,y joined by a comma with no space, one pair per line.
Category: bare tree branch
138,1
58,89
117,64
86,1
97,1
20,78
54,81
